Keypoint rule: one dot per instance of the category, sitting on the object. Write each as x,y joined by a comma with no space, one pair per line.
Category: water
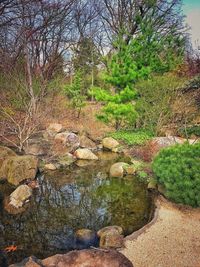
75,198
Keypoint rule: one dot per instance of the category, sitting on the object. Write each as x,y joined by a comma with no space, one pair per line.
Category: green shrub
134,137
190,131
177,168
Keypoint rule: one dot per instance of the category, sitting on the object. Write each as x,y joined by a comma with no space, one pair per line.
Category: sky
191,9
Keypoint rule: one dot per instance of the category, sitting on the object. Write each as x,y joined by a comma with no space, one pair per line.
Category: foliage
177,168
74,92
133,137
146,152
157,95
118,109
188,131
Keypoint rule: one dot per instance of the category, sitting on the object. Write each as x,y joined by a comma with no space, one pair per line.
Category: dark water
75,198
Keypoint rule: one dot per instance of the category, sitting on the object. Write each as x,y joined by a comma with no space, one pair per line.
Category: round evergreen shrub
177,169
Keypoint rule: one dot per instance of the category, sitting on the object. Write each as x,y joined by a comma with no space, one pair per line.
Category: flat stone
84,153
20,195
90,258
50,166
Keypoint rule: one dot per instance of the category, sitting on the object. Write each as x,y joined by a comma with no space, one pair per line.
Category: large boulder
110,143
19,168
5,153
86,257
21,194
84,153
90,258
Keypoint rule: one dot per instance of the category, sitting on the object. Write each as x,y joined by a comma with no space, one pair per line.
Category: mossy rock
19,168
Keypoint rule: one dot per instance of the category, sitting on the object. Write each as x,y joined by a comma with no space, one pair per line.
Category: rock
69,141
20,195
19,168
5,153
110,229
84,153
50,167
118,169
90,258
111,240
35,150
85,238
28,262
54,128
85,142
171,140
110,143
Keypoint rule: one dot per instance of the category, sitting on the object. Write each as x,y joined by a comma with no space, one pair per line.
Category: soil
172,239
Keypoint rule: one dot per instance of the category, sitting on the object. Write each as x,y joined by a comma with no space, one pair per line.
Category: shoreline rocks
19,168
80,258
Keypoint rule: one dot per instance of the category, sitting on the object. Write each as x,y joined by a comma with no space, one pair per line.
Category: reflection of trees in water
78,199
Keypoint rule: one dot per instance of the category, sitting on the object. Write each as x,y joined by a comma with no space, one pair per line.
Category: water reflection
69,200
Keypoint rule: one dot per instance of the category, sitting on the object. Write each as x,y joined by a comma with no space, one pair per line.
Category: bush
177,168
189,131
157,96
134,137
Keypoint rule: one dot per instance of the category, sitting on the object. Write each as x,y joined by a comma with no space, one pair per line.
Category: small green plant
74,92
177,168
118,109
133,137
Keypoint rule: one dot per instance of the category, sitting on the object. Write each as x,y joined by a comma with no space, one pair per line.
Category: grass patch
132,137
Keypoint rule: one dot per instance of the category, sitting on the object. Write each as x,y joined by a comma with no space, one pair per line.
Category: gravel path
172,239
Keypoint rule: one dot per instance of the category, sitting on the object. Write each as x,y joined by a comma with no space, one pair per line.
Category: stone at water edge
118,169
110,143
19,168
84,153
111,240
110,229
5,153
80,258
111,237
20,195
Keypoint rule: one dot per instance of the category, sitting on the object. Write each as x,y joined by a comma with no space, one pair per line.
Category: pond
77,197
